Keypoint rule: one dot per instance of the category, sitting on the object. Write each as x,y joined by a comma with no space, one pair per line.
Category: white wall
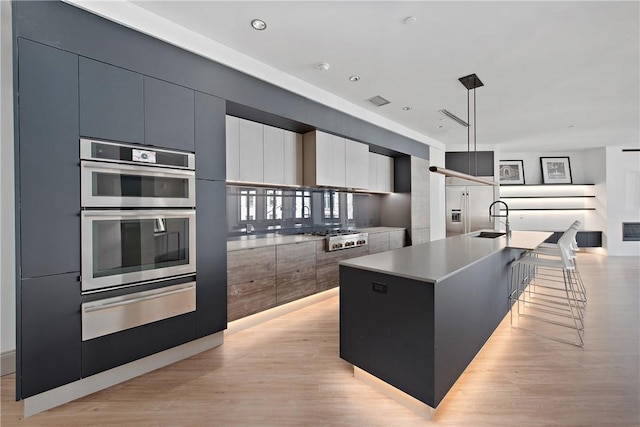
623,198
437,218
7,224
595,166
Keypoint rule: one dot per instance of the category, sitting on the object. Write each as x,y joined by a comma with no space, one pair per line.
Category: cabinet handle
379,287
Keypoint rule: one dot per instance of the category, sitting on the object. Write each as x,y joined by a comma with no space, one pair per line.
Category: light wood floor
287,372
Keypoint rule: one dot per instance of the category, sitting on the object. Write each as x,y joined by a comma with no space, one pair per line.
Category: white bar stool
560,297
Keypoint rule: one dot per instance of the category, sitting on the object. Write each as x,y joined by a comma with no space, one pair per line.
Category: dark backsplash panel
258,210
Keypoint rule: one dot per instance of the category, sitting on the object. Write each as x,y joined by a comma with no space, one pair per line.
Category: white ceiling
557,75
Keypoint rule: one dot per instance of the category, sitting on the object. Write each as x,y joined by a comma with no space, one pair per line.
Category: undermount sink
490,234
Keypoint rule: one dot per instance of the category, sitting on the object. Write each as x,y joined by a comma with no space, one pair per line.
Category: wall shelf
547,207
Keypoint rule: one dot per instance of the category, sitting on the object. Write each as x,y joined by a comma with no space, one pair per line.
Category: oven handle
140,214
159,170
90,309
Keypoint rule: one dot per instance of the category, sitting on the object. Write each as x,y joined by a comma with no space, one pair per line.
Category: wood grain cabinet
327,268
396,239
251,281
295,285
378,242
244,299
296,271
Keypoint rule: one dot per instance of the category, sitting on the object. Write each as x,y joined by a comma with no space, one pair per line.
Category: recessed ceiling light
440,126
409,20
323,66
571,126
258,24
407,108
354,78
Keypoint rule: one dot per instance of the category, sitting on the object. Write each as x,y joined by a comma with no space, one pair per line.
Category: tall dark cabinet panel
475,163
111,102
211,256
49,172
168,115
50,333
210,137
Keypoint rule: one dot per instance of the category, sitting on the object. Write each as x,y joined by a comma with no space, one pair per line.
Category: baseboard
7,362
86,386
264,316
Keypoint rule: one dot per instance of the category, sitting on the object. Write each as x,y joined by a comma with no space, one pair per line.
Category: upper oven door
121,247
121,185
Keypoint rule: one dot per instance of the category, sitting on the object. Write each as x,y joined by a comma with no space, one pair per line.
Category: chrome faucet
501,216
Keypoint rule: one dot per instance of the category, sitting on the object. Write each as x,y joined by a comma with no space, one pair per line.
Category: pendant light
471,82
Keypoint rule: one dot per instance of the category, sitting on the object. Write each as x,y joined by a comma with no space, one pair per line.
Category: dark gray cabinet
468,162
50,333
168,115
49,174
584,239
211,257
210,137
111,102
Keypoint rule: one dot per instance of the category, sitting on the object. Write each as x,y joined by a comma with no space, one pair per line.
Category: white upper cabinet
380,173
324,160
262,154
273,155
251,151
357,164
334,161
292,158
233,148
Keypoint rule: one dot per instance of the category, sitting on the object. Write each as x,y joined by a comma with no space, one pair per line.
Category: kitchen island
415,317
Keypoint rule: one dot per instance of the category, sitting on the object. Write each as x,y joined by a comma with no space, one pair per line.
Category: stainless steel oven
129,246
138,214
117,175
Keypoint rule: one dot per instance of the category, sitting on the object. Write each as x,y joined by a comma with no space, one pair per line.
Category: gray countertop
256,241
435,261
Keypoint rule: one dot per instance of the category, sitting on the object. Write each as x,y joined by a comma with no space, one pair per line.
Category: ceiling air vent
454,118
378,101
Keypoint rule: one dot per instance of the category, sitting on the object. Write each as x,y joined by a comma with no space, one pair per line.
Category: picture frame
556,170
511,172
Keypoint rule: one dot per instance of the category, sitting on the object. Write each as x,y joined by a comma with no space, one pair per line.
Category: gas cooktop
342,239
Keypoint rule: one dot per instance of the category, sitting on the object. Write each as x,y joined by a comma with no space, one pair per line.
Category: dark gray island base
415,317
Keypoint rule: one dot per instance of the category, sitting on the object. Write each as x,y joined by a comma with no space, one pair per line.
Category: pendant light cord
475,136
468,133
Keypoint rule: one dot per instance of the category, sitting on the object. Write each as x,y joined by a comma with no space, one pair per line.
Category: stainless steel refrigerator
467,205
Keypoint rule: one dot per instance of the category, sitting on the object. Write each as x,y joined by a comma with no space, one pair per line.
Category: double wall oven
138,223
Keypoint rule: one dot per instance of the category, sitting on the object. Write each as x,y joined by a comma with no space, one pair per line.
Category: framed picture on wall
555,170
511,172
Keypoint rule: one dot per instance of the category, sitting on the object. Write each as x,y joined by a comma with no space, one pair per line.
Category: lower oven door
121,247
109,315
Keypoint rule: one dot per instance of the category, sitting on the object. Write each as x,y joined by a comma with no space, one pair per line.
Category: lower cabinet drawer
378,242
396,239
295,285
109,315
328,277
248,298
